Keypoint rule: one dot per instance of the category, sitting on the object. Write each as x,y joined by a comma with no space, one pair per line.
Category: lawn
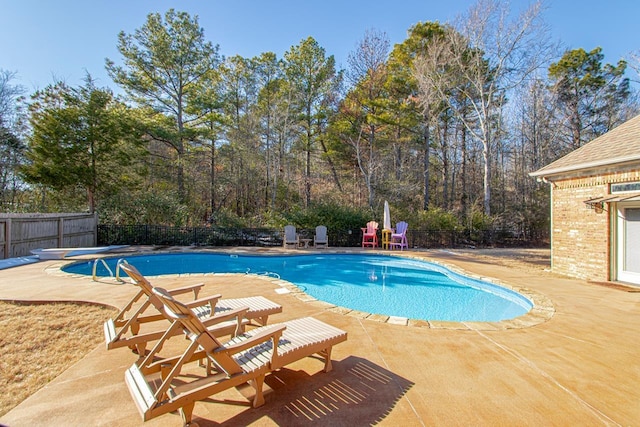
40,341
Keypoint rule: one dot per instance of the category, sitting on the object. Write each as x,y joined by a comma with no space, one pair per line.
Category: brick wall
580,235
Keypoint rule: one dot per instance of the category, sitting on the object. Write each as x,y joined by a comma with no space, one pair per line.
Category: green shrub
433,219
333,215
224,218
158,208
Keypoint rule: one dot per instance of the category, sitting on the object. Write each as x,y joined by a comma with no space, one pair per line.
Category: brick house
595,207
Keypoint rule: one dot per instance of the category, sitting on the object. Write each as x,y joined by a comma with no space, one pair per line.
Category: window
625,187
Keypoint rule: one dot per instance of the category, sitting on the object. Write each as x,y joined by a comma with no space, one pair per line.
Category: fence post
61,232
95,229
7,238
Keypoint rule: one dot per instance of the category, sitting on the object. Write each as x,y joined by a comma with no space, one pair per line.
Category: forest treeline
445,125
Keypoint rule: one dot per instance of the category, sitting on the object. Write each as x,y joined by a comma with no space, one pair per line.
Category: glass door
629,244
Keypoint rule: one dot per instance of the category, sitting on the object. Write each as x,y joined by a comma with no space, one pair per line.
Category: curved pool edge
541,311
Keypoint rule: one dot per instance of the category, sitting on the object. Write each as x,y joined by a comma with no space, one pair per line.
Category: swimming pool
381,284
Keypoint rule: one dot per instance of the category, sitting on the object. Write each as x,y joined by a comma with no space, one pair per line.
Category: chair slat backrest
401,227
321,233
372,227
289,233
197,331
142,283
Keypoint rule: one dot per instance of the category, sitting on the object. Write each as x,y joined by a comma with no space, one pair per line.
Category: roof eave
620,161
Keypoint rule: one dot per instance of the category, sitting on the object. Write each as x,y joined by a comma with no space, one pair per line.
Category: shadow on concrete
356,392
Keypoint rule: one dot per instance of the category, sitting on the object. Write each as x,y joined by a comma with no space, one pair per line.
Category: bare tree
12,147
367,73
491,55
634,63
369,57
9,94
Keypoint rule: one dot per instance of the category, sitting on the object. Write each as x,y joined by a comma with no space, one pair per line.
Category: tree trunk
426,135
486,157
334,173
372,138
180,151
268,159
576,127
212,187
445,165
91,200
463,172
307,182
398,155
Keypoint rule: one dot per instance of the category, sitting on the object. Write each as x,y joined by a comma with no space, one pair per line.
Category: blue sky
46,40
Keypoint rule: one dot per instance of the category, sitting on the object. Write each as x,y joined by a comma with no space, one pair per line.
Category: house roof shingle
619,145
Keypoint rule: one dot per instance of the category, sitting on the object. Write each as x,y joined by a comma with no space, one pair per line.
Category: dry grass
39,341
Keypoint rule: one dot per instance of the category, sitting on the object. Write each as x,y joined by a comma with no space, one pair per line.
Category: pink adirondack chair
399,236
370,235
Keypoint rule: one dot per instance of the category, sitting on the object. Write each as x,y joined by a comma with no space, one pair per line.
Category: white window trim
622,275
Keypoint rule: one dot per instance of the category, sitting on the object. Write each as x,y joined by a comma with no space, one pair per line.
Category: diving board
60,253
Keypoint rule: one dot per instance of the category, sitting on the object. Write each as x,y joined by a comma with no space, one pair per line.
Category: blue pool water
381,284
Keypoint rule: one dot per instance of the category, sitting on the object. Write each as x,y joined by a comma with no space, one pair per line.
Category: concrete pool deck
578,366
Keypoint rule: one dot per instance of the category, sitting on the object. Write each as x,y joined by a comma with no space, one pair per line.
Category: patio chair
170,385
291,238
124,329
370,234
320,240
399,236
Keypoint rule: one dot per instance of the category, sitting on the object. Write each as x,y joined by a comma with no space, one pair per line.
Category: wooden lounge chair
370,234
399,236
124,330
291,238
170,385
320,239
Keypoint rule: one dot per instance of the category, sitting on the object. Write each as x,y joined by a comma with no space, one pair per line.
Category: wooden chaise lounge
124,329
169,385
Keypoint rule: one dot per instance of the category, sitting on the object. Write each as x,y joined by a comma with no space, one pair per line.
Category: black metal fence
267,237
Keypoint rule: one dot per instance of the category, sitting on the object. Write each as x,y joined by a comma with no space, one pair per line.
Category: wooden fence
20,233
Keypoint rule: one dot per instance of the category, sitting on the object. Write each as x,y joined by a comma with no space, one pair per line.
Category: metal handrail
118,264
263,273
95,268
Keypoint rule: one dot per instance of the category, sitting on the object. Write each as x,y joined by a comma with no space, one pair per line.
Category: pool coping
541,311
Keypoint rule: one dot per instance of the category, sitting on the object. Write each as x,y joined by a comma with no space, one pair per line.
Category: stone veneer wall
580,236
